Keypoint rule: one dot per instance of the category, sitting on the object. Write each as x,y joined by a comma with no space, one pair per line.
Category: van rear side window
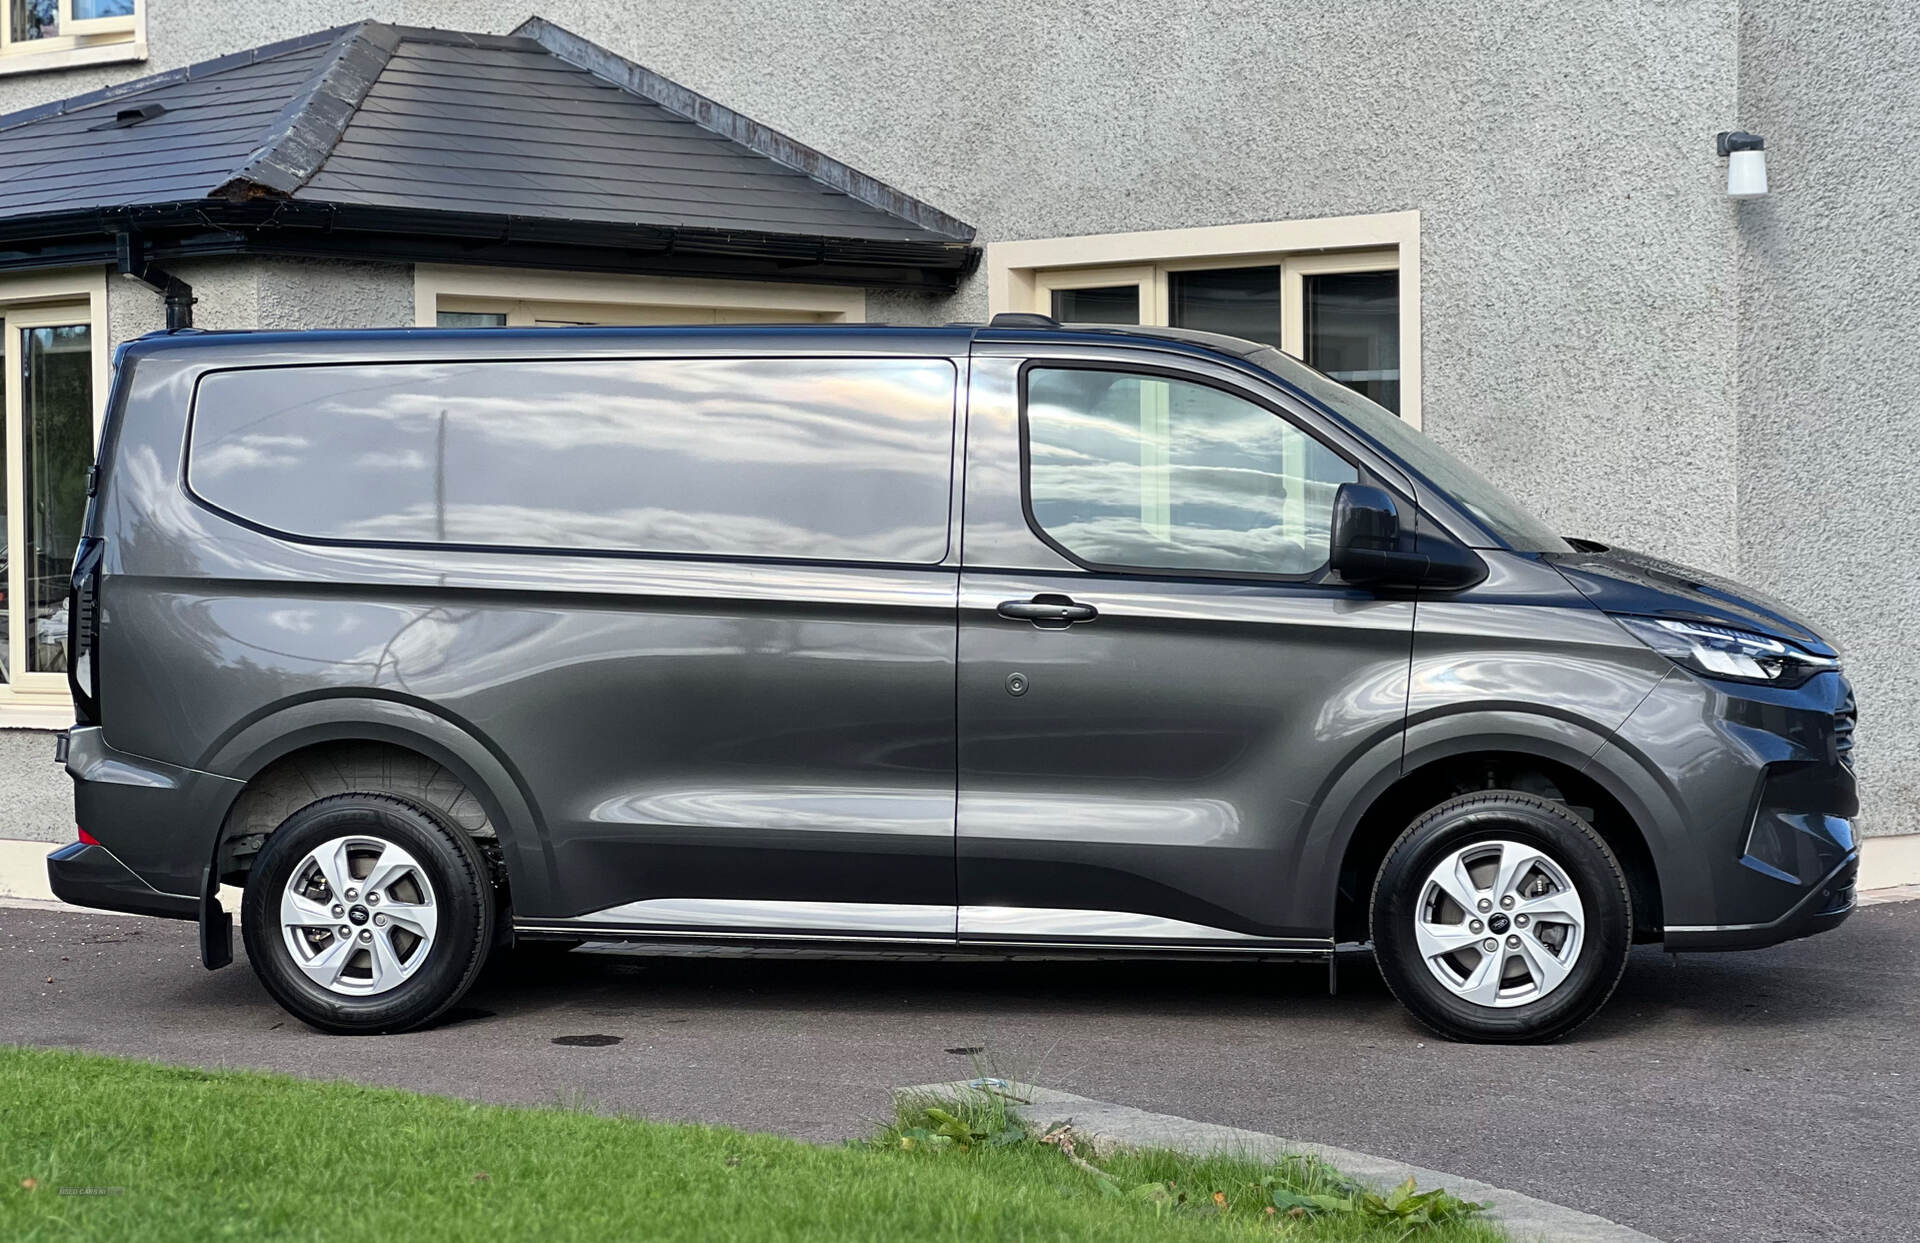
811,458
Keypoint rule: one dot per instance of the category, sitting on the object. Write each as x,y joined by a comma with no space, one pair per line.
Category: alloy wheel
358,915
1499,924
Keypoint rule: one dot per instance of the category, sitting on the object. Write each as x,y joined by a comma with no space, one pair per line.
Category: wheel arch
274,745
1546,756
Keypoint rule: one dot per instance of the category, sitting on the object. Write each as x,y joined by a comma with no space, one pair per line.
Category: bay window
53,353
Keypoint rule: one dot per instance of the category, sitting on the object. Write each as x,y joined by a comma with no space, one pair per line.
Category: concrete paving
1742,1097
1104,1125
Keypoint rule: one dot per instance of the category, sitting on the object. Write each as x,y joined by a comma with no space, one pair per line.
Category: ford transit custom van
1000,639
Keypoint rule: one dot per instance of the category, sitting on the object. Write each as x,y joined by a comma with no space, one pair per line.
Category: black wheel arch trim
453,745
1344,803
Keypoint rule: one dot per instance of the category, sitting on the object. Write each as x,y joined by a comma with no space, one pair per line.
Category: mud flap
216,926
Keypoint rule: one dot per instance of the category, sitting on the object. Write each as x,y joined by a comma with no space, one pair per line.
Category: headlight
1722,652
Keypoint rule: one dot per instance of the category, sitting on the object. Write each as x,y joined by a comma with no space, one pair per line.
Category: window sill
73,57
21,712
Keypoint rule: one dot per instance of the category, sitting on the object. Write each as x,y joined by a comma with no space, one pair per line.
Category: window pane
470,319
1240,302
57,417
1353,332
1155,473
87,10
844,459
33,19
1109,304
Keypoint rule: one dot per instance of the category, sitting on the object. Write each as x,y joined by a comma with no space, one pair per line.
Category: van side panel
683,726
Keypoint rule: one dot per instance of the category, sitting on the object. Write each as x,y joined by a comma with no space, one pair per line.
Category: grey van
1007,639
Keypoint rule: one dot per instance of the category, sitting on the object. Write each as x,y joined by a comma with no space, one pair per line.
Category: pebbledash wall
1642,359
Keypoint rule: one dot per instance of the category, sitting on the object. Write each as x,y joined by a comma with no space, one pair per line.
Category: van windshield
1497,511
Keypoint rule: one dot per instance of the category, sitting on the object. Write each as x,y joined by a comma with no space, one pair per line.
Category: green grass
1239,1197
188,1154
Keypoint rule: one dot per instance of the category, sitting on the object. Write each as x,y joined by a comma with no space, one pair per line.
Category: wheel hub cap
363,957
1532,939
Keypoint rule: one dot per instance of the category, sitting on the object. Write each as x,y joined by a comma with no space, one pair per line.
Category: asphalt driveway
1742,1097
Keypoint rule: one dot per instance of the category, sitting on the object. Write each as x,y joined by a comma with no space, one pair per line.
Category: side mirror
1366,535
1367,546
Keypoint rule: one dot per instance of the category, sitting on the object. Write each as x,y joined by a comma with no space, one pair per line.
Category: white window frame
1021,276
520,294
42,700
93,41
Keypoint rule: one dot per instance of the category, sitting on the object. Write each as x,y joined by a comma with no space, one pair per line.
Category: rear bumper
155,820
87,875
1826,906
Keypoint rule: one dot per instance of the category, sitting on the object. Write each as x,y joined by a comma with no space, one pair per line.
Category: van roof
953,336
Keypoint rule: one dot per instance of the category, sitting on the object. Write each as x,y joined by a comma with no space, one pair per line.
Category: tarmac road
1740,1097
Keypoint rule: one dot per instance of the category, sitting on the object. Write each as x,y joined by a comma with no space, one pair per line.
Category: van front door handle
1054,611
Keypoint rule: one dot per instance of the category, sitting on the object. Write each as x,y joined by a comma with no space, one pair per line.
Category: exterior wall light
1746,156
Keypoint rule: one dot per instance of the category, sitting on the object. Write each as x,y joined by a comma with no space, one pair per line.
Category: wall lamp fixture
1746,156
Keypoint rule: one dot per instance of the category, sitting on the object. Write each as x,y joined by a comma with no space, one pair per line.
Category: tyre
366,913
1501,917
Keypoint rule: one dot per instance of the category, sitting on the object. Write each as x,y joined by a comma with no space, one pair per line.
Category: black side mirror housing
1369,547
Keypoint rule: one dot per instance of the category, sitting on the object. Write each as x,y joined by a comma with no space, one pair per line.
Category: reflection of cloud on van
391,459
637,530
691,456
249,451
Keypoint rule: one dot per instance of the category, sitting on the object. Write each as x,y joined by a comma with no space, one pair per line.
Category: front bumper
1826,906
89,875
1746,795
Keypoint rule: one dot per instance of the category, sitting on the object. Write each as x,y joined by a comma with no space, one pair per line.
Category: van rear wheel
365,913
1501,917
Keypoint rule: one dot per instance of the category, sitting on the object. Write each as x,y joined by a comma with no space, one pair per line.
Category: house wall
271,293
1577,254
1605,333
1829,419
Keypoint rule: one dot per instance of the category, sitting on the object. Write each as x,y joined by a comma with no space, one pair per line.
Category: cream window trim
94,41
1142,276
1022,275
83,27
522,294
42,700
1294,270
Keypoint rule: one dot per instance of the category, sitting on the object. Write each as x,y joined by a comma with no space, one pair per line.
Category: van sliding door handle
1042,610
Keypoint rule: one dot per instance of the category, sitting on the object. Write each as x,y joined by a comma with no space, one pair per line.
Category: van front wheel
1501,917
363,913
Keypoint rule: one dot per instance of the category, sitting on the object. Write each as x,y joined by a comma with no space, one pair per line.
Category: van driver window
1148,472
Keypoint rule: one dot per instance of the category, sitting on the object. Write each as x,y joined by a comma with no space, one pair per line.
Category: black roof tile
538,125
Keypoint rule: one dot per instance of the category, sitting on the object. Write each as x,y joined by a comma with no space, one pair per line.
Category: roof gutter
200,228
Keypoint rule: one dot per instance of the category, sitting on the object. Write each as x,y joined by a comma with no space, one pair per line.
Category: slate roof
55,159
539,126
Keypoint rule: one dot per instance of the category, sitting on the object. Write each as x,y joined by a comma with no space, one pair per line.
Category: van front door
1159,680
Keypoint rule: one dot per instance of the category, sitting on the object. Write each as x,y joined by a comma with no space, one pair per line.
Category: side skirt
837,929
678,944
